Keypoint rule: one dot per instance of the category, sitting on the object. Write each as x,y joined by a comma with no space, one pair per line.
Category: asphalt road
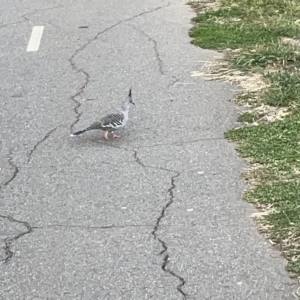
156,214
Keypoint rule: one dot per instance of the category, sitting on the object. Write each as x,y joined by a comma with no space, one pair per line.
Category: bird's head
127,102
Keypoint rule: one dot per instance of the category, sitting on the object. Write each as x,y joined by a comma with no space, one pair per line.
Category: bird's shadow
92,140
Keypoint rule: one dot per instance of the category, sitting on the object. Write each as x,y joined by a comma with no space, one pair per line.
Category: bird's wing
113,120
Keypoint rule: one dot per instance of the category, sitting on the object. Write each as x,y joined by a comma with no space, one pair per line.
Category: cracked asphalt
156,214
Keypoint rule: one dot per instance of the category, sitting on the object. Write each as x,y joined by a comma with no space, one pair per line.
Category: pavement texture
156,214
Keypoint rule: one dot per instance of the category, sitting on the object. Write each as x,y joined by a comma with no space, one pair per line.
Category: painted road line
35,38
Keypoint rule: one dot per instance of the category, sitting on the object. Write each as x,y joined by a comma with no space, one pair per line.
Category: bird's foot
116,136
105,136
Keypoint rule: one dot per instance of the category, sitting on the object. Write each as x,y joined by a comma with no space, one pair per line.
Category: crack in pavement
139,161
113,26
157,55
29,14
8,241
81,89
40,142
15,168
87,76
39,9
164,252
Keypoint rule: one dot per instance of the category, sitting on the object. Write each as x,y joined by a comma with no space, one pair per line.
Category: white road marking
35,38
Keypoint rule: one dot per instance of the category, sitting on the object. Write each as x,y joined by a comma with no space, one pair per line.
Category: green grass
257,28
270,142
241,27
212,35
276,146
261,56
284,91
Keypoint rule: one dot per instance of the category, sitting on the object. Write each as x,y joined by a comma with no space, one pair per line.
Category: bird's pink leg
105,135
115,135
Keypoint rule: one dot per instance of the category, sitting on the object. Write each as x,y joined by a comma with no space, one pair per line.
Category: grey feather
111,121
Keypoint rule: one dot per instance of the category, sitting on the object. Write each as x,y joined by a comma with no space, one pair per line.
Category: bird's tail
129,95
80,131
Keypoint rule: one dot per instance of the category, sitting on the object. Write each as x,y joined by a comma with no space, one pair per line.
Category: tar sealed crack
164,245
155,48
8,241
164,252
40,142
80,91
137,159
113,26
14,167
25,17
87,76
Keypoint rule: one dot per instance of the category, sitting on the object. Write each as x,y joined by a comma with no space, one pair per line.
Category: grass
241,27
252,33
268,55
248,117
284,91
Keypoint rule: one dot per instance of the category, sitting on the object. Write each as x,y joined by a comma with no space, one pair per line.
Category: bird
112,120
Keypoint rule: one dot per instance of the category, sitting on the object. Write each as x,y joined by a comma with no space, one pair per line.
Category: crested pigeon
112,120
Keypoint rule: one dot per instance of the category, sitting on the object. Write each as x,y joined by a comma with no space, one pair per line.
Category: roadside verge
261,45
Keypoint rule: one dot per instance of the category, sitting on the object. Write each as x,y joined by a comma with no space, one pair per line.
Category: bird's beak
133,103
